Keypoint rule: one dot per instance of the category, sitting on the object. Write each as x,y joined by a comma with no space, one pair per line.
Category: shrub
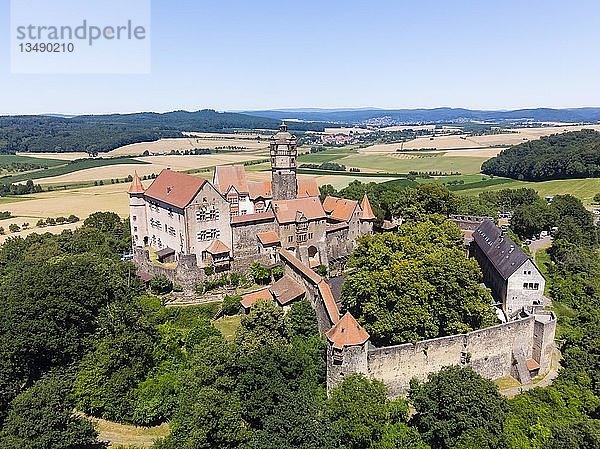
209,270
41,223
231,305
277,272
260,273
177,288
73,219
160,284
322,270
14,227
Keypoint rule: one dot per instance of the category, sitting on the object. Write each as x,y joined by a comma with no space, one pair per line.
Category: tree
42,417
358,411
160,284
13,227
302,319
121,359
456,401
400,436
264,326
260,273
231,305
416,284
597,198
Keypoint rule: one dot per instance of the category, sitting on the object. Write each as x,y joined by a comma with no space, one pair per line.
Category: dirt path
537,245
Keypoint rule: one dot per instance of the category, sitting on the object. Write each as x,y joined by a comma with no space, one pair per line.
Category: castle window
134,218
201,215
301,238
135,229
536,286
290,239
310,235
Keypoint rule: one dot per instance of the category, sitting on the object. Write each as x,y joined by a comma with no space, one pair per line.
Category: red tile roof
329,301
252,217
367,211
294,261
347,332
286,210
286,290
136,184
217,247
176,189
324,290
268,238
230,175
307,187
532,365
249,299
260,189
339,209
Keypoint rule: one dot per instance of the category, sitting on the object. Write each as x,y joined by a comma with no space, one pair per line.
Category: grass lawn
228,326
187,316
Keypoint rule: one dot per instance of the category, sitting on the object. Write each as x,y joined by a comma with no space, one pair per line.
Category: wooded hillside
559,156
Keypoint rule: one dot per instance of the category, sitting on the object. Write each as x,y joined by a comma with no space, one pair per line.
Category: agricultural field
57,172
215,141
403,163
452,142
147,166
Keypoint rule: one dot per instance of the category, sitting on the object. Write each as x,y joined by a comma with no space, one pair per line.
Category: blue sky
232,55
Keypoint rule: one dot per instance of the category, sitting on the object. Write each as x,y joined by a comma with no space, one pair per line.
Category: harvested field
60,156
453,142
154,164
189,143
388,163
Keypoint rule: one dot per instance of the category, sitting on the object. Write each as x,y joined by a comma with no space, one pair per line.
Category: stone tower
347,347
137,213
283,164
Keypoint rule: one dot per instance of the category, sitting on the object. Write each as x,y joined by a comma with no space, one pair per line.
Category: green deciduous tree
416,284
458,403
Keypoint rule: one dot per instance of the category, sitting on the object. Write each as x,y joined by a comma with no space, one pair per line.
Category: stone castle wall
186,273
489,352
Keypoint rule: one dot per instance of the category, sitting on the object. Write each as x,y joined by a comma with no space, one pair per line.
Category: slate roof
504,254
176,189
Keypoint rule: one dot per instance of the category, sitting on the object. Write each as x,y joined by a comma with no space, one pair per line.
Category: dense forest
101,133
559,156
79,332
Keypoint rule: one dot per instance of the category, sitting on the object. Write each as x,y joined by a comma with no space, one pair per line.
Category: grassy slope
11,158
68,168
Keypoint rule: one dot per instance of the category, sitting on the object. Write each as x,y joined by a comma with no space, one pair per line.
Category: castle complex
233,222
228,224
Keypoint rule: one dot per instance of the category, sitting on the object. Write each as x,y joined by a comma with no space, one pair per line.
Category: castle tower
283,164
137,213
347,349
367,217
